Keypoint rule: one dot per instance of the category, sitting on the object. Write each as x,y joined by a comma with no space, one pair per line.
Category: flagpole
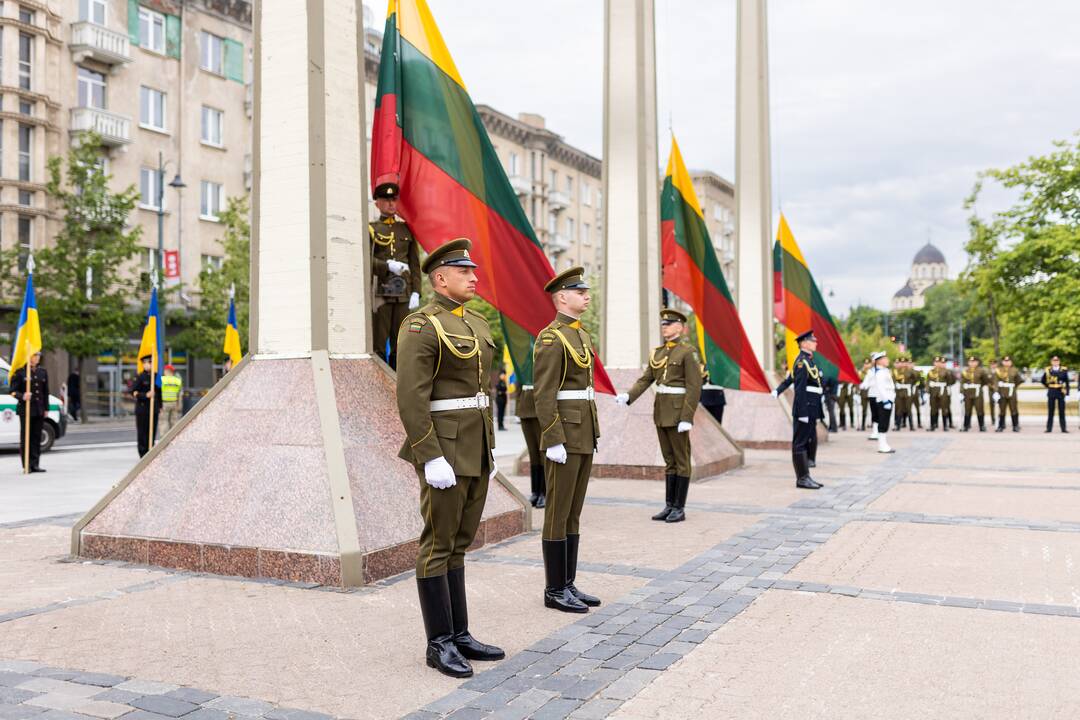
153,394
26,443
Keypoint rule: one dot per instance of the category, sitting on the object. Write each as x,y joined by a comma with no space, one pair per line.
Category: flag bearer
395,265
38,396
143,390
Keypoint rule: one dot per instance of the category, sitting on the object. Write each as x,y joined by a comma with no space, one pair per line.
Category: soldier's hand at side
150,393
494,469
556,453
773,392
684,427
622,399
396,266
438,474
26,395
997,396
414,301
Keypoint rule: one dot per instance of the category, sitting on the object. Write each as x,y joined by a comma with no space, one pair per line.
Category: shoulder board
547,338
799,362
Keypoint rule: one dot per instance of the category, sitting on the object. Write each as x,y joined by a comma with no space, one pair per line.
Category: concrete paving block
146,687
170,707
62,687
240,706
191,695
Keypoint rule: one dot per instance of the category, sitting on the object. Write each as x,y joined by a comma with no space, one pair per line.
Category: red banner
172,264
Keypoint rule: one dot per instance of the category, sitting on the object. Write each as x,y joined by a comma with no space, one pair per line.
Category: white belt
1005,384
526,387
905,388
709,386
586,394
478,401
813,389
972,386
937,384
668,390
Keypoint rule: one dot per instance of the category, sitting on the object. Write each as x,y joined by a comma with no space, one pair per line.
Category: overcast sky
882,112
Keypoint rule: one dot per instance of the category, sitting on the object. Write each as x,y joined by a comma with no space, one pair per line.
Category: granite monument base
287,469
629,448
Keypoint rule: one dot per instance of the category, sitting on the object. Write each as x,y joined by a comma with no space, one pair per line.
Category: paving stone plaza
939,581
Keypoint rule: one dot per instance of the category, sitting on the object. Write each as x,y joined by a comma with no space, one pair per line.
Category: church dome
905,291
928,255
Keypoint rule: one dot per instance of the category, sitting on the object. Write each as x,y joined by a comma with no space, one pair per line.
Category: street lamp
176,183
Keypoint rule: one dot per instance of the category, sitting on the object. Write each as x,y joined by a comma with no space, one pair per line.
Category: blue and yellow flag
153,340
28,338
232,336
511,376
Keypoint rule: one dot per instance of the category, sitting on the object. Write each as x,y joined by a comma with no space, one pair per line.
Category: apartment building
717,198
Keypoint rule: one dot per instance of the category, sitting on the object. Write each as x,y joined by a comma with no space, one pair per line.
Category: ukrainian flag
28,338
511,376
153,340
232,336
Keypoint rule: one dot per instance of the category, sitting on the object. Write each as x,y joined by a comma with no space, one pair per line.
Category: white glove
997,396
556,453
494,469
622,399
805,419
684,426
397,267
414,301
438,474
773,392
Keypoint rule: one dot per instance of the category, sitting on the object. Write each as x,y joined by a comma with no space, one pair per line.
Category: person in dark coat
500,400
74,394
143,390
806,410
38,396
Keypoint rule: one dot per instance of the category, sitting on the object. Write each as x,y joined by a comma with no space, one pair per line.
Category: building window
26,239
586,194
212,56
552,220
570,188
553,179
26,107
26,144
151,30
570,229
91,89
210,202
149,188
212,121
26,15
599,199
26,198
26,54
513,164
151,108
585,239
211,263
93,11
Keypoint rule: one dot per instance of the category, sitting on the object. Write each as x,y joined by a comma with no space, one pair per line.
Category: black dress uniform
805,412
39,408
1056,380
141,389
712,398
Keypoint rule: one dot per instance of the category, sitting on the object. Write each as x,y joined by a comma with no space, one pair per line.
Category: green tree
862,317
204,335
84,281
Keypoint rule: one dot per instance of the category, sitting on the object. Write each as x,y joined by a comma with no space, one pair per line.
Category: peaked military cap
939,358
1055,358
388,190
571,279
668,315
973,357
146,357
455,252
1006,358
808,335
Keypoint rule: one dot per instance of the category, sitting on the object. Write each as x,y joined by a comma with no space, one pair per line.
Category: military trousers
36,423
847,411
939,405
1008,404
917,407
565,487
804,437
975,403
385,322
451,519
1055,399
142,428
675,447
880,415
867,411
902,405
530,428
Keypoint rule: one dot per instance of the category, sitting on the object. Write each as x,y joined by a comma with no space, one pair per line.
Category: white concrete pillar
309,234
753,181
631,185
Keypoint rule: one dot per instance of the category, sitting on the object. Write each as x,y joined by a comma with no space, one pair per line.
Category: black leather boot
556,594
669,498
982,425
678,512
442,653
1016,423
572,543
802,472
539,485
467,645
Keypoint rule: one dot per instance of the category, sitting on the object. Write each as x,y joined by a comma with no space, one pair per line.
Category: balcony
115,130
99,43
557,243
557,200
522,185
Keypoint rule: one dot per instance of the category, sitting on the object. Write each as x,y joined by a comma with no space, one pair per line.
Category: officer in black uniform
38,394
142,390
1056,380
712,398
806,410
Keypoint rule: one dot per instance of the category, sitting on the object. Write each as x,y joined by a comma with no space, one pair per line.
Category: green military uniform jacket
445,355
391,239
970,378
563,359
938,381
913,378
525,405
1006,382
674,364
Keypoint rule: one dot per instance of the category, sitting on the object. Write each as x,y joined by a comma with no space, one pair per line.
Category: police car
55,424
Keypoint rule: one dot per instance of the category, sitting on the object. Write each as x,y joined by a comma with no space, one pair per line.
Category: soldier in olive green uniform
395,266
446,352
847,406
676,370
563,361
938,381
991,373
972,382
902,407
1004,382
525,409
915,380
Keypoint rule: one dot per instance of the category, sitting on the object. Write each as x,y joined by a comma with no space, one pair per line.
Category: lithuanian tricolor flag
799,306
692,272
428,138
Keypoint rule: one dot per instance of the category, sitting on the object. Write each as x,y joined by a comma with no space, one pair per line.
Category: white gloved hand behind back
414,301
684,426
556,453
622,399
438,474
396,266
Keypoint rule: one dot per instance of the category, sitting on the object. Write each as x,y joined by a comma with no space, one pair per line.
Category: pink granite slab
629,448
756,420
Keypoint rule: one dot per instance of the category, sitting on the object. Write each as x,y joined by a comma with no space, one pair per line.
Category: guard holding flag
395,264
144,392
36,398
806,410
